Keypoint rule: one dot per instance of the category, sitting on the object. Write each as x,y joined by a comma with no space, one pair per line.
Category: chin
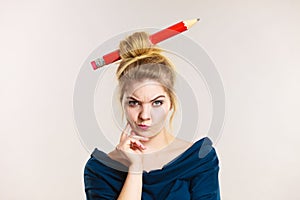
148,134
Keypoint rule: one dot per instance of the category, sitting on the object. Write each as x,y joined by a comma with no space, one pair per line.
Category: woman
149,162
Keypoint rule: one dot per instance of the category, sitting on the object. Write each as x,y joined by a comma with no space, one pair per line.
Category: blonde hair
140,60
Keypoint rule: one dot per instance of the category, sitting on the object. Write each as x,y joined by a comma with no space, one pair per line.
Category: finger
137,144
125,132
134,147
137,148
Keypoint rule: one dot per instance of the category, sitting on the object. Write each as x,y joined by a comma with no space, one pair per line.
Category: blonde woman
150,162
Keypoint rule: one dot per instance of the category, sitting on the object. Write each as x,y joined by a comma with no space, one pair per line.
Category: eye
158,103
133,103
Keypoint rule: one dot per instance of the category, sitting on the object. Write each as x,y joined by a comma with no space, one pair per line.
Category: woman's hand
131,148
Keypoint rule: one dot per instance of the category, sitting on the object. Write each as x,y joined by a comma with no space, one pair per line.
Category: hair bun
135,45
137,50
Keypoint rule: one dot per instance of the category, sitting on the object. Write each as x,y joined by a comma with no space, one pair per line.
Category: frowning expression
146,105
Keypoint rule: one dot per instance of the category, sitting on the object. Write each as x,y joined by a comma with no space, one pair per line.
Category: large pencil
154,38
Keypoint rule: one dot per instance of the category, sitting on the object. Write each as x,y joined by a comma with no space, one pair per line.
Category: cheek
130,114
159,114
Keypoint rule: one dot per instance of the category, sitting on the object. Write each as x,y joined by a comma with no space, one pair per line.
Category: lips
143,127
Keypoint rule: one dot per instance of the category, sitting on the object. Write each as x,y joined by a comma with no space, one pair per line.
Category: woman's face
146,106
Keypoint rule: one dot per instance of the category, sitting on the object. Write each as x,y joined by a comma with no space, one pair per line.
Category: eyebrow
150,101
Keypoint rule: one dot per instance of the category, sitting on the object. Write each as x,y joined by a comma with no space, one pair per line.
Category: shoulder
95,160
205,151
200,156
202,147
197,156
93,167
99,164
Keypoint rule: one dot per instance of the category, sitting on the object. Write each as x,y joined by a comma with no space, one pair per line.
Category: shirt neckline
116,165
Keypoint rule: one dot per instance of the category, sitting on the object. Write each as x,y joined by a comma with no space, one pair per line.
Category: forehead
144,89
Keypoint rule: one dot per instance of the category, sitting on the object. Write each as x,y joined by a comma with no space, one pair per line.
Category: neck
159,141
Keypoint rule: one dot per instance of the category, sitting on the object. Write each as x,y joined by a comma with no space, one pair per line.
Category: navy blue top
192,175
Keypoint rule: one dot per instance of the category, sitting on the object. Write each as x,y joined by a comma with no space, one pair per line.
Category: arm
205,185
131,149
132,188
101,183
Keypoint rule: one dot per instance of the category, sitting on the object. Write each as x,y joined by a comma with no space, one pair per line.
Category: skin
145,103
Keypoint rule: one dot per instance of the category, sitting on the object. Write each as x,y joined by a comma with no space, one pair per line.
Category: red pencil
154,38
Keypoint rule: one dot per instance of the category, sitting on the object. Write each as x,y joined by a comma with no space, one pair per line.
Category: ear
171,106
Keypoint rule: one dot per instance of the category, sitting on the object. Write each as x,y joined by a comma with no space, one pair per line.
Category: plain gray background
255,46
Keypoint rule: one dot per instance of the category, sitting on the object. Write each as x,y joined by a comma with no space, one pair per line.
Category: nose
145,112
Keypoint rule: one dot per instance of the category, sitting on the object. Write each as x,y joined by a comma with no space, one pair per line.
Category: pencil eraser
93,63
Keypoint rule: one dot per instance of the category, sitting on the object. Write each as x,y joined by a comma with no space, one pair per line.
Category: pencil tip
198,19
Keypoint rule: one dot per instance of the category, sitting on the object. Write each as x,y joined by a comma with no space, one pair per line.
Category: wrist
135,168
